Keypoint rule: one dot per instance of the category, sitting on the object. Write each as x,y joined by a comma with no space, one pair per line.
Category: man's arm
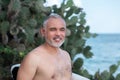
27,68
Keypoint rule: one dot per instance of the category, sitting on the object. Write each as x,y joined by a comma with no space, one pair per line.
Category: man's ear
42,32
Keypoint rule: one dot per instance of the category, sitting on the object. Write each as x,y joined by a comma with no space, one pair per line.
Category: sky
103,16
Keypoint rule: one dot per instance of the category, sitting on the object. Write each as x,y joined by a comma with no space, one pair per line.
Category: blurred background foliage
20,21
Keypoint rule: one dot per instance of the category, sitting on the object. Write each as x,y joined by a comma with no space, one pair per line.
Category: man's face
55,31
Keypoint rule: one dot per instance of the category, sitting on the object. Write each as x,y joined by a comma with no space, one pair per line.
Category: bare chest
58,68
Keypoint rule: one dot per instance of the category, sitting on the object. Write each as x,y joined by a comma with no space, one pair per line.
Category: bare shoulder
32,57
65,53
32,54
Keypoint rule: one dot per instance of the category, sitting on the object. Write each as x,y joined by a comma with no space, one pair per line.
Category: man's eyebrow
63,28
52,28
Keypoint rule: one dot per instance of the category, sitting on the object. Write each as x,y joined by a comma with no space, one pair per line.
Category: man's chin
57,45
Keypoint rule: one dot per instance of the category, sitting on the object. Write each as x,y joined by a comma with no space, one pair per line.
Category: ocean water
106,50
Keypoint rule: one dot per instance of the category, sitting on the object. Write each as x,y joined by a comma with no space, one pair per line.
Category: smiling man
48,61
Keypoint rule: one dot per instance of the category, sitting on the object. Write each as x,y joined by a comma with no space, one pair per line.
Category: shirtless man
48,61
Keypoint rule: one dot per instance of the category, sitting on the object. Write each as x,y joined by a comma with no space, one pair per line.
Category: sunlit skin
48,61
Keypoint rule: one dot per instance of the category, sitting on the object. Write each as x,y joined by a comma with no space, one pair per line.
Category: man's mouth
57,39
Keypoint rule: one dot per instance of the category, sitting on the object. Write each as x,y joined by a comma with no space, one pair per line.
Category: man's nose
58,32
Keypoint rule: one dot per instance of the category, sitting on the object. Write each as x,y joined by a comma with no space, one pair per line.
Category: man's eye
63,29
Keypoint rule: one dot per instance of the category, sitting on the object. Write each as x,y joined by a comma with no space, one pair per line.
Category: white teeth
57,39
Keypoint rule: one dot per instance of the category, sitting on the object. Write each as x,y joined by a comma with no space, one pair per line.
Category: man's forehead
56,22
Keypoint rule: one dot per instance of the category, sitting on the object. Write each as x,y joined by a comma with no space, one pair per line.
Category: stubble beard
55,44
